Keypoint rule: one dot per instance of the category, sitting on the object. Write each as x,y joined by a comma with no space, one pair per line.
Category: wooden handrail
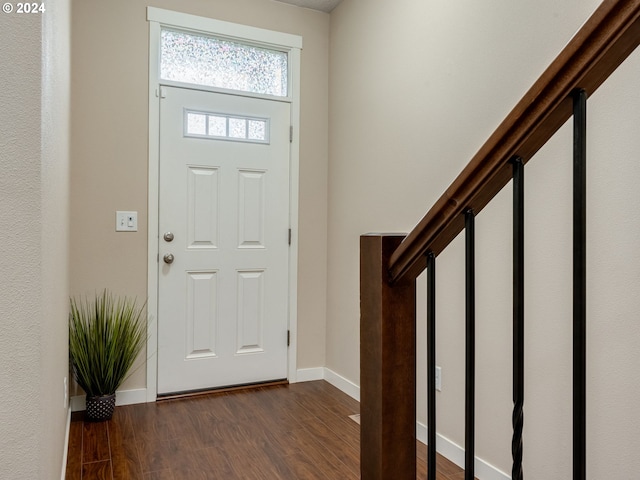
599,47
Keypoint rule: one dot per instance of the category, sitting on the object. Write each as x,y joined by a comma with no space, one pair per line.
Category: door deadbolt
168,237
168,258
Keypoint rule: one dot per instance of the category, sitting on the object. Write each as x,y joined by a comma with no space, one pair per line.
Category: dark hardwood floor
299,431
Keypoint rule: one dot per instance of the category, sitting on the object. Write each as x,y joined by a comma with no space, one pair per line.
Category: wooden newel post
387,365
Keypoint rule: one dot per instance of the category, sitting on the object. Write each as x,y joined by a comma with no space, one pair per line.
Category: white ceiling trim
322,5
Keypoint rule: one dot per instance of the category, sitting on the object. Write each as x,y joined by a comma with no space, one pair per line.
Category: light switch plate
126,221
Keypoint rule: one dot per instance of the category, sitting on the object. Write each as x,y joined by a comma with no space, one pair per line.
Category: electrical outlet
66,392
439,378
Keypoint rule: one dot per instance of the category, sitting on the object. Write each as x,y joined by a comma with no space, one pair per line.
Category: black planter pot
100,408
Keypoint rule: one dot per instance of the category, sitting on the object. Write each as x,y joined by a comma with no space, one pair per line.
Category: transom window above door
213,62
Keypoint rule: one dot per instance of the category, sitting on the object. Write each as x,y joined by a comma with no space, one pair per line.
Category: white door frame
157,19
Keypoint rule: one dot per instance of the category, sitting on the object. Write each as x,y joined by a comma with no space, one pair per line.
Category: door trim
158,18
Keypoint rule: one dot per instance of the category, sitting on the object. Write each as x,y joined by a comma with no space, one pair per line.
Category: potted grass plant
106,334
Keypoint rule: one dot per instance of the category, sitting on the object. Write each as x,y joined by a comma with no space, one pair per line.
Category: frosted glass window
257,129
226,127
238,128
196,123
217,126
209,61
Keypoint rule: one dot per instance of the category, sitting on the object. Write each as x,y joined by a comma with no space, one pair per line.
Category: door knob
168,237
168,258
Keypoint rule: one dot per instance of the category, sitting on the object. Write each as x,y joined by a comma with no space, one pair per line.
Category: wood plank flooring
299,432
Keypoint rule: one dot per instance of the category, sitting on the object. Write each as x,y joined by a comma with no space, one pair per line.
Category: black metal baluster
470,347
517,418
579,282
431,365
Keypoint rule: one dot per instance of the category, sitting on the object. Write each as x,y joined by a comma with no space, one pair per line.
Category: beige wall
34,52
109,148
416,88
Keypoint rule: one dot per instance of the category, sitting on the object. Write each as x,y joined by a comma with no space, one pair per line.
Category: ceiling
322,5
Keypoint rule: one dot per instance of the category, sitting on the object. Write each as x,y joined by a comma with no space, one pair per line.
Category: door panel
223,301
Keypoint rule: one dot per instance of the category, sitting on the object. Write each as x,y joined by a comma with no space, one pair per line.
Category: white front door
224,228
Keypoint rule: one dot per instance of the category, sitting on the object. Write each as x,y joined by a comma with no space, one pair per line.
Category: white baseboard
309,374
338,381
455,453
123,397
444,446
324,373
66,445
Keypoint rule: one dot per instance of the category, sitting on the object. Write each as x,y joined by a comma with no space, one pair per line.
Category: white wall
34,101
416,88
54,289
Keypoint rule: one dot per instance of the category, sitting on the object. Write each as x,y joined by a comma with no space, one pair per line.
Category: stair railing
390,264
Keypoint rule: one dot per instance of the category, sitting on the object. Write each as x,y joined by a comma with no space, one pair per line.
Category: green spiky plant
106,335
